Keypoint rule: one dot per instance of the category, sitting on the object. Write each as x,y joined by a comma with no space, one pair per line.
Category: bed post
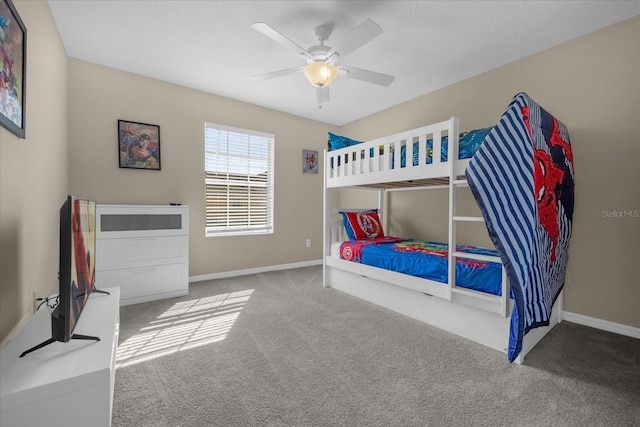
382,208
326,239
452,160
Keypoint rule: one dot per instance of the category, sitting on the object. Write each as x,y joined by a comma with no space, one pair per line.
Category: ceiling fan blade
323,94
275,74
266,30
358,37
367,76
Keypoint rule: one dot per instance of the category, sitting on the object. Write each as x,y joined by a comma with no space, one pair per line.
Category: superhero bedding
521,176
427,260
468,144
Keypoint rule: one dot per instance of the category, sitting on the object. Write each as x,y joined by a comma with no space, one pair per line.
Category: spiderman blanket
522,179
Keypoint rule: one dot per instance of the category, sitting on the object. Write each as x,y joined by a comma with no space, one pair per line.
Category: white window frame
247,151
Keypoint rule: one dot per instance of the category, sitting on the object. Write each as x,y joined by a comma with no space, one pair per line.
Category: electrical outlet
308,243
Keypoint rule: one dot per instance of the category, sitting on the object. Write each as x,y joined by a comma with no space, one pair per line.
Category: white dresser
144,250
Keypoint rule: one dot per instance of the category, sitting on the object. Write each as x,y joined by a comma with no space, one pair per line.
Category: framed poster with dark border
138,145
13,69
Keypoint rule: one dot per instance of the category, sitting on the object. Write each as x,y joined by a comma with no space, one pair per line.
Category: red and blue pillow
362,224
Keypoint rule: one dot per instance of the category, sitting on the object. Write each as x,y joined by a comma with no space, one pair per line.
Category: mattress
335,249
425,259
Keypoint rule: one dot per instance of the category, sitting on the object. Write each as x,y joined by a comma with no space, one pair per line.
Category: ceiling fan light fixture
320,74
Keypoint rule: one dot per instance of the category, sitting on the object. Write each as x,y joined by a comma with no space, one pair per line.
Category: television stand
62,384
73,336
51,341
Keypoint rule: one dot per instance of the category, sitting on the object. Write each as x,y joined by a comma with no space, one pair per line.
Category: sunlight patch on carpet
186,325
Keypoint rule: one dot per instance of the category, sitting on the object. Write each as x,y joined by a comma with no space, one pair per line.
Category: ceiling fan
322,62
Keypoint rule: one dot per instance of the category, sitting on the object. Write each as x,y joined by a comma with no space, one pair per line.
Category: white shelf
62,384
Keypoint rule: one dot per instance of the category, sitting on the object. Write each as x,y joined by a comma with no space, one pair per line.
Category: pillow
468,144
363,224
471,141
336,141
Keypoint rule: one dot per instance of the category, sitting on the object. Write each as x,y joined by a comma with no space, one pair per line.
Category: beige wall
99,96
33,175
592,84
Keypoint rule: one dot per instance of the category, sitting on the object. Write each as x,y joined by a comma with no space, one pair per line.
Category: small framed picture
309,161
138,145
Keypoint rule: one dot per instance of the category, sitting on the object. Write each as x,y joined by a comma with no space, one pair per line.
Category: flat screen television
76,275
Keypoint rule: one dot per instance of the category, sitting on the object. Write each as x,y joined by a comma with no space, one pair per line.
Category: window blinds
238,181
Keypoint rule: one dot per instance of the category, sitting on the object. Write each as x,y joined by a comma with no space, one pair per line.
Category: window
238,181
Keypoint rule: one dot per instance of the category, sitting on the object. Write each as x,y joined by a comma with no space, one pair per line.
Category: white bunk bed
478,316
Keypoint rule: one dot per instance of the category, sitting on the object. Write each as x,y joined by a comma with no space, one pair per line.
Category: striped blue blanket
522,178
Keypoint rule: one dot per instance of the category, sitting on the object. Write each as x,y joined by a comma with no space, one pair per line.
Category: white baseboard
235,273
604,325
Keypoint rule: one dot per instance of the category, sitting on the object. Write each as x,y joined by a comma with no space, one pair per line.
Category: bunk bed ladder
452,157
501,302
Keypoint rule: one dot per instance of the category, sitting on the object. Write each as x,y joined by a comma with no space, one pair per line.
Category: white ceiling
426,45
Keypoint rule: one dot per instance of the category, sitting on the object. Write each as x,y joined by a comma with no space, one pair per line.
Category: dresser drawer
140,252
118,221
146,283
144,250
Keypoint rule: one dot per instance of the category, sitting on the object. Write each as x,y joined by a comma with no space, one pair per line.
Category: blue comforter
468,144
428,260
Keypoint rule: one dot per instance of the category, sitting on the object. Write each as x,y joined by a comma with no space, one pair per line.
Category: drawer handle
142,270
